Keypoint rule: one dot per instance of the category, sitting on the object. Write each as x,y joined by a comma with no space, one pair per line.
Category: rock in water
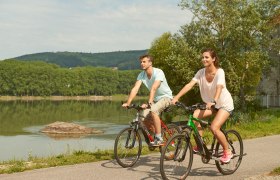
65,128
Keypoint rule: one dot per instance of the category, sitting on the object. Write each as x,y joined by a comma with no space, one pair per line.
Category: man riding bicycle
159,98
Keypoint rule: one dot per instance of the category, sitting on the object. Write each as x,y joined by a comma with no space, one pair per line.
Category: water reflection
21,122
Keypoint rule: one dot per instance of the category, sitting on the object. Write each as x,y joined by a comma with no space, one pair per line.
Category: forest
36,78
122,60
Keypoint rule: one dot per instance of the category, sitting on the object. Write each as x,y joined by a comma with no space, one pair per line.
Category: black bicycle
128,143
179,150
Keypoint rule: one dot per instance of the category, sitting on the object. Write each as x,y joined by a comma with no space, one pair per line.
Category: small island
65,129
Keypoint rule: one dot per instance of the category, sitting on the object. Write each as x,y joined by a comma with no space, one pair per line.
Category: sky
91,26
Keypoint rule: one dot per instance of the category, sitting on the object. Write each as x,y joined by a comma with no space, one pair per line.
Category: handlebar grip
178,103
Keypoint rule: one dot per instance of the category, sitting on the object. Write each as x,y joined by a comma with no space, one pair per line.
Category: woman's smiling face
207,60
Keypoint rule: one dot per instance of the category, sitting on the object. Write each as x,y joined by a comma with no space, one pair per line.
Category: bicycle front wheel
127,148
235,144
176,158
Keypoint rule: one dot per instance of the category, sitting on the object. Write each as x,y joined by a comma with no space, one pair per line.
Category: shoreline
64,98
55,98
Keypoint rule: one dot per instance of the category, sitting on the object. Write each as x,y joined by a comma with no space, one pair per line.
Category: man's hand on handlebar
173,101
146,105
125,105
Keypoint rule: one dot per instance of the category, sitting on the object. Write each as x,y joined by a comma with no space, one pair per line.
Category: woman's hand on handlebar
209,105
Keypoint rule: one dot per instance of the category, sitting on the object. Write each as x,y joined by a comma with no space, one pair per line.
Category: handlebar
134,106
137,107
192,107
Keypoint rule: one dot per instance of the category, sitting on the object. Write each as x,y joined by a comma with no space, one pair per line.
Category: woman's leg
200,114
220,118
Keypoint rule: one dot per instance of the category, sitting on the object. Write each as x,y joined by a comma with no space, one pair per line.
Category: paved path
263,155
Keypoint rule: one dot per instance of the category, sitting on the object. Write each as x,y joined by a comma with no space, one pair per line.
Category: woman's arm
183,91
216,96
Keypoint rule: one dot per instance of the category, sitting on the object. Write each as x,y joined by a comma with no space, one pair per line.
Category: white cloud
32,26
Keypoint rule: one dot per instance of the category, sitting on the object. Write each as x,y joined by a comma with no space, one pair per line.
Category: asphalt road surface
263,155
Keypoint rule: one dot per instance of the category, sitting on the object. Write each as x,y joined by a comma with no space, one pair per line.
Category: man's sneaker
195,149
226,157
157,142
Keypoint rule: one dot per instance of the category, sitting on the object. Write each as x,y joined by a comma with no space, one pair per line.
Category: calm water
21,122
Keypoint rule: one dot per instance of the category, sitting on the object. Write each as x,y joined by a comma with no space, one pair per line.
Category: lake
21,122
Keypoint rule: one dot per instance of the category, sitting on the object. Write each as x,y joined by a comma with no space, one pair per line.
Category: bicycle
128,143
180,152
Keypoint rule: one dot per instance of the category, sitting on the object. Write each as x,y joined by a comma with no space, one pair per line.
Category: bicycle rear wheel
176,158
235,144
127,148
168,133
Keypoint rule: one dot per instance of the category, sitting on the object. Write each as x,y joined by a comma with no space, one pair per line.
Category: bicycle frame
147,135
204,151
128,143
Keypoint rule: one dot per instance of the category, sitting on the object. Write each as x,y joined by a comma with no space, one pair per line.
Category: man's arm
153,90
133,93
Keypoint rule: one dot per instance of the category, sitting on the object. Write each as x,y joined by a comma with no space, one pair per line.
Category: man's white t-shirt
208,89
163,90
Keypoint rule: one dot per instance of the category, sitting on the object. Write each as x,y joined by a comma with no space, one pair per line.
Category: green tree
178,60
238,30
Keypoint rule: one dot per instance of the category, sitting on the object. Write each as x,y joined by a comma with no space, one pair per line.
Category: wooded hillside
123,60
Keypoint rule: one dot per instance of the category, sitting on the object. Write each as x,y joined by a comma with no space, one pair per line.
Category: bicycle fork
202,147
131,136
179,147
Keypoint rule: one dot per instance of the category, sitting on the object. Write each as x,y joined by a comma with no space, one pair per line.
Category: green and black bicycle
177,155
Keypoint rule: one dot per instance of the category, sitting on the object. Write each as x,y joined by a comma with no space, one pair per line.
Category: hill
123,60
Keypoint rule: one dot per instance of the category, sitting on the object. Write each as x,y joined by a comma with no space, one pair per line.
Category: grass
76,157
250,125
59,160
275,172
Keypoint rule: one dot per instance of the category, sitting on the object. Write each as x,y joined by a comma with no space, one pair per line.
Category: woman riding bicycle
213,91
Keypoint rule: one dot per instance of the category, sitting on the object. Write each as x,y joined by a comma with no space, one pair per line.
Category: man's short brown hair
146,56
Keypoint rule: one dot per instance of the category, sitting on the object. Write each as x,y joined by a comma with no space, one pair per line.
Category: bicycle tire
236,146
178,149
127,155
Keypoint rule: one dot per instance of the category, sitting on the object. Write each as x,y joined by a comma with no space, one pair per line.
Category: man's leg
148,122
157,124
156,109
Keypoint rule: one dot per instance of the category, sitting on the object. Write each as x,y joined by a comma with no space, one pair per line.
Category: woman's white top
208,89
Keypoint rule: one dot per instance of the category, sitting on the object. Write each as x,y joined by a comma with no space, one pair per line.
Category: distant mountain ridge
123,60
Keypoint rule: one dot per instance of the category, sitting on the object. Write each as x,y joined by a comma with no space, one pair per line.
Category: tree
177,59
238,30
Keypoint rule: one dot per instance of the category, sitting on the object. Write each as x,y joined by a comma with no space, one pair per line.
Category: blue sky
33,26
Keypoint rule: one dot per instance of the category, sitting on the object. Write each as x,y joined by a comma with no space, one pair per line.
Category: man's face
145,63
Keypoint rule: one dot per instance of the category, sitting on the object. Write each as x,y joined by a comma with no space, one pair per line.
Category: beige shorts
157,107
